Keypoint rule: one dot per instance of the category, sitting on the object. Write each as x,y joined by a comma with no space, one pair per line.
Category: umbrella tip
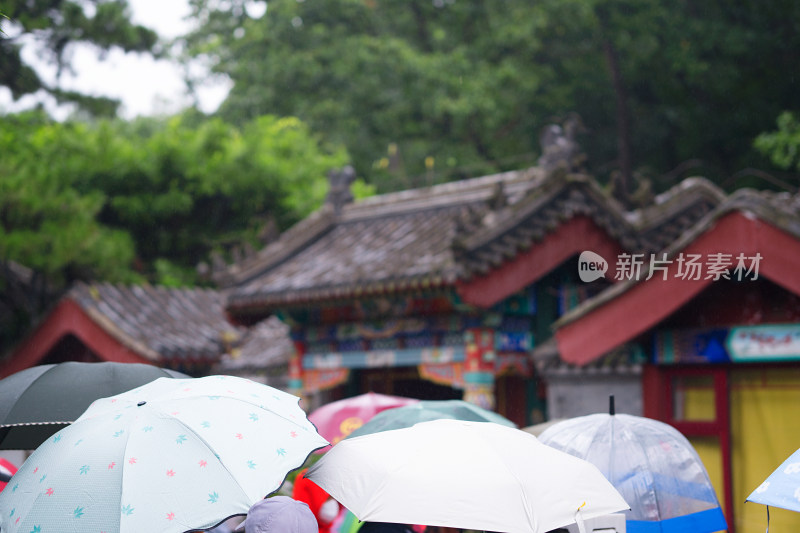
611,409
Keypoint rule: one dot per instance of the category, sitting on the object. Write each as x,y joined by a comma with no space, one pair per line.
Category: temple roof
446,234
748,224
781,210
161,324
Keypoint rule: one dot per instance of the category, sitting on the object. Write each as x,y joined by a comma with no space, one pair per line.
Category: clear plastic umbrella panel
170,456
651,464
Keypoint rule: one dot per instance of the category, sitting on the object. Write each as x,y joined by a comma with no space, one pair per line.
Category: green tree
46,222
57,25
184,188
440,89
782,146
176,188
147,200
49,232
383,75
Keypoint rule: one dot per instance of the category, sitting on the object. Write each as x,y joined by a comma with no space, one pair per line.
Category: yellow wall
699,405
765,410
710,453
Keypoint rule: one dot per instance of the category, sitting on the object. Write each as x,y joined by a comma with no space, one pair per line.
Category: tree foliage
424,90
782,146
56,26
151,199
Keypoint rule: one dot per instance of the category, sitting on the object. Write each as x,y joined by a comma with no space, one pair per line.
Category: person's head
279,514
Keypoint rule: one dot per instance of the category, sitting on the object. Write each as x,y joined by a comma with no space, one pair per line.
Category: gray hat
279,514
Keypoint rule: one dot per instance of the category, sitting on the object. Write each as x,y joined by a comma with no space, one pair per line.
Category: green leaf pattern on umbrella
216,468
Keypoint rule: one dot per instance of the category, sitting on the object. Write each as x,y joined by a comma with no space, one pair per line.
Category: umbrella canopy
782,487
338,419
426,410
462,474
652,465
7,469
38,401
170,456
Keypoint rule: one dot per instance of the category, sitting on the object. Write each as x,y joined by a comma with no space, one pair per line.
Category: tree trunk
623,185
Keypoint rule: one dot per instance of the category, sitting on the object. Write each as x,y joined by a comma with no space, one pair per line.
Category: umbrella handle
767,518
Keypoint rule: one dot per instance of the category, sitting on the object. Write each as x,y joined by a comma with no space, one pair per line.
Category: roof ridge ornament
560,148
339,193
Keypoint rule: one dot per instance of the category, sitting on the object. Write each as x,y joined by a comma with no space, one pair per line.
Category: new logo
591,266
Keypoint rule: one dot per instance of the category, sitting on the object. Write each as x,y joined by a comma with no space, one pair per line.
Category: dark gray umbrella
37,402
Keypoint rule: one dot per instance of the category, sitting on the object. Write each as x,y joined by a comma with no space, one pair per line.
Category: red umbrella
7,469
338,419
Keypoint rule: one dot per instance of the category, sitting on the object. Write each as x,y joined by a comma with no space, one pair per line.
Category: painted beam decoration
764,343
758,343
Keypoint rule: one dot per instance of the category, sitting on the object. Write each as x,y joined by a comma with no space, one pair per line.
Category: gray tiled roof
159,323
439,235
267,344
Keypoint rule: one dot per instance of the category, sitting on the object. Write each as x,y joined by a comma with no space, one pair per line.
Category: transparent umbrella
651,464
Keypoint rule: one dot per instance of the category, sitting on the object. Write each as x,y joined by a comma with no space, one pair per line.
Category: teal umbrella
37,402
170,456
426,410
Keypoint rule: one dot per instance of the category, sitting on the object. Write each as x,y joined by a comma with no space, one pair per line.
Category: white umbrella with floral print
171,456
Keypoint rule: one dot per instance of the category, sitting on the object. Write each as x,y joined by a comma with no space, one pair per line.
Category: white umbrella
469,475
170,456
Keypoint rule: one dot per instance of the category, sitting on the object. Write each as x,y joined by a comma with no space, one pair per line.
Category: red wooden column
479,372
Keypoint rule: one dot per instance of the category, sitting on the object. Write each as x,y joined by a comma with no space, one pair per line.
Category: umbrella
653,466
425,410
463,474
782,487
170,456
38,401
538,429
7,469
338,419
